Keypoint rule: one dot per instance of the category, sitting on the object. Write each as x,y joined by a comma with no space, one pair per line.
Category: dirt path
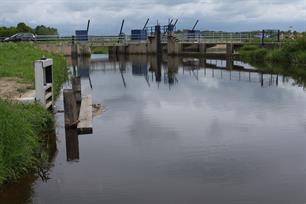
12,90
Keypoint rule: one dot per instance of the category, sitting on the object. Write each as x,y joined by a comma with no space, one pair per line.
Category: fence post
70,108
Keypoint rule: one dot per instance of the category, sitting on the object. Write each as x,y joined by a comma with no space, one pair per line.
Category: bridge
158,40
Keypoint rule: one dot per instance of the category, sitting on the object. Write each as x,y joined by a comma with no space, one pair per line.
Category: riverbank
22,125
20,136
292,52
16,61
99,50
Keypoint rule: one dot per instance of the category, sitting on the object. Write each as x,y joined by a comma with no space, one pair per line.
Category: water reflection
72,144
221,125
165,69
81,67
22,191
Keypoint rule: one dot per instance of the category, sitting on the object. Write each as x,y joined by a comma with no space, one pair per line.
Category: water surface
180,130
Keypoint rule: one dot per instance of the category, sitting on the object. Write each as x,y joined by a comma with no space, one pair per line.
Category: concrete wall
174,47
140,48
66,49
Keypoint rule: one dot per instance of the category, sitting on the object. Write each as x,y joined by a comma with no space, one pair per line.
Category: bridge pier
152,49
174,48
229,63
202,48
229,49
80,50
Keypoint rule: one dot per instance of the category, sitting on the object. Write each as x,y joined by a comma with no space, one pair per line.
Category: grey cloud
107,14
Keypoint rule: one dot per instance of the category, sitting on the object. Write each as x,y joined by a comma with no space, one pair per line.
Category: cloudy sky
106,15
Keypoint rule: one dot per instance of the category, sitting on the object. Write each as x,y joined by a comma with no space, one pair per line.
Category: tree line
23,28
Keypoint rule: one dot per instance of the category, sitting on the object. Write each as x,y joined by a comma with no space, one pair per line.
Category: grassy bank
16,60
21,126
99,50
296,72
291,52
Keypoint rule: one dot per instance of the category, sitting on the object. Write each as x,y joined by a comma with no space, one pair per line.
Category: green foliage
291,52
299,57
277,56
7,31
249,48
16,60
43,30
253,53
99,50
296,72
19,142
23,28
21,125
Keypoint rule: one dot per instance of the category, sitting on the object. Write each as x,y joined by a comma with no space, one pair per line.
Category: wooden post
70,108
72,144
76,87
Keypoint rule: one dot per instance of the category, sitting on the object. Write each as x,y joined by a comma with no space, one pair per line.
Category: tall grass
16,60
291,52
20,127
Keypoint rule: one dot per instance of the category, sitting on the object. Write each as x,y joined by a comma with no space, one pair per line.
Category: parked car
21,37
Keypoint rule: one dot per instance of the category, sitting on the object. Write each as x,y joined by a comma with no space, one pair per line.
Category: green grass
99,50
20,145
16,60
22,126
291,52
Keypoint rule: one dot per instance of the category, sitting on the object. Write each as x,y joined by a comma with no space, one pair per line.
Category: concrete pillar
115,50
84,50
75,50
229,49
203,48
152,49
122,49
174,47
173,66
229,63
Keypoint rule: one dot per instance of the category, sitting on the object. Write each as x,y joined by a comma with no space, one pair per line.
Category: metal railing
208,37
216,38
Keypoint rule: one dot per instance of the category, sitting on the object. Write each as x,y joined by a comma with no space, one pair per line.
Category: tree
7,31
43,30
23,28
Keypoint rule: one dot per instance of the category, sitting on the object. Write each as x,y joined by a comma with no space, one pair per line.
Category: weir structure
152,40
164,39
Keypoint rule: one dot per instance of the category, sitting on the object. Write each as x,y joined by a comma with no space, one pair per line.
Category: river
178,130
